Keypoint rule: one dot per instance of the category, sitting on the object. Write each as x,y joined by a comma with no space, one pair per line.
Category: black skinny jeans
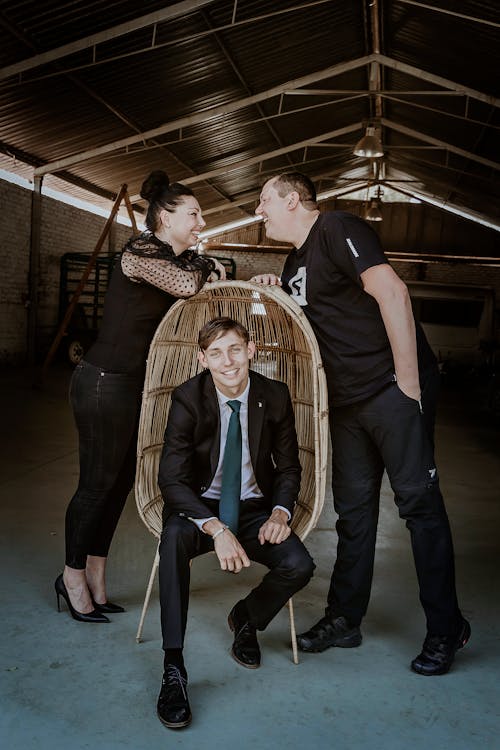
106,408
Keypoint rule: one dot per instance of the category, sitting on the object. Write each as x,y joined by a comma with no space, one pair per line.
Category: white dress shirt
249,487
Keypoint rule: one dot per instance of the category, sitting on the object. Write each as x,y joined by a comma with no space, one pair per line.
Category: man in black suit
226,406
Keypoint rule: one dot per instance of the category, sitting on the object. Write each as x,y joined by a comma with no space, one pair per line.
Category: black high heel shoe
61,590
108,607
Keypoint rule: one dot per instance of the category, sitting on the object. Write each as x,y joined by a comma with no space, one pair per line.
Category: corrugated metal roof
218,54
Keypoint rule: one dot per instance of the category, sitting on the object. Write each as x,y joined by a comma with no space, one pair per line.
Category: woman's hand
219,273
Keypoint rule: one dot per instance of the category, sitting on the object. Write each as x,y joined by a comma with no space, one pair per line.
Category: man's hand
411,390
276,529
219,274
270,279
231,554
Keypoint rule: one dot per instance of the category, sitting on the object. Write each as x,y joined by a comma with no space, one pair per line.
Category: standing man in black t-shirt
382,383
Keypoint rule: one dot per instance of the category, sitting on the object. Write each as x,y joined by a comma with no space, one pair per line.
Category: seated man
229,476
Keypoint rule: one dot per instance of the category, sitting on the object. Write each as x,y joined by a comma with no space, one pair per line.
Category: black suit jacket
192,442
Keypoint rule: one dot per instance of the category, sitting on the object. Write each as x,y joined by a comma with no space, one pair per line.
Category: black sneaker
328,632
439,651
173,705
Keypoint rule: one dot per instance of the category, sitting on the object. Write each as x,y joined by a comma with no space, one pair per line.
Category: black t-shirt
323,277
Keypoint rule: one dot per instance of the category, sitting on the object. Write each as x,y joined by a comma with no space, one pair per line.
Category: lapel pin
260,404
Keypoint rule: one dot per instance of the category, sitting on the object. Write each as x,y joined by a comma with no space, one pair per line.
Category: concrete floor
71,685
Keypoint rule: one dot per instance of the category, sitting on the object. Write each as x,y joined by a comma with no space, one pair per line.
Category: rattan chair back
286,350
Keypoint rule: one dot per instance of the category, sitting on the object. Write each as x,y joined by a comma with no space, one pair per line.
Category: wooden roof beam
411,70
445,205
203,116
239,164
165,14
436,142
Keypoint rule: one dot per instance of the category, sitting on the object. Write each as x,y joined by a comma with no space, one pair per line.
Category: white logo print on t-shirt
298,286
351,246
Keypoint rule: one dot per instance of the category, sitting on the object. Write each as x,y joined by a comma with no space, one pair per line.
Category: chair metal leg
156,562
293,633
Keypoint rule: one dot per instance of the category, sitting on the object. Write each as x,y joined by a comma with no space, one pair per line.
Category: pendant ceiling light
369,145
373,212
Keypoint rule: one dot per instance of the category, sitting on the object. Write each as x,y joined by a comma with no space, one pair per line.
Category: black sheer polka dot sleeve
146,259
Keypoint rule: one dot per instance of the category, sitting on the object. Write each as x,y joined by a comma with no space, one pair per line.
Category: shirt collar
243,397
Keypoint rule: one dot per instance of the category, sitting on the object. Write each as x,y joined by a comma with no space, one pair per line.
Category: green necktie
230,493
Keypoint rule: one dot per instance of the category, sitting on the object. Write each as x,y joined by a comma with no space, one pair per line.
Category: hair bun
154,185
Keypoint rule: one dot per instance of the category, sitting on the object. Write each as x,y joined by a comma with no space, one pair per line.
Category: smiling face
275,212
228,359
181,228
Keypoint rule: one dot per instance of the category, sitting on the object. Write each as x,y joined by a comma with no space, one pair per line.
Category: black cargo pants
390,430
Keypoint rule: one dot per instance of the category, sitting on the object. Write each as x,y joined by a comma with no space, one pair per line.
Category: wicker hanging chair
286,350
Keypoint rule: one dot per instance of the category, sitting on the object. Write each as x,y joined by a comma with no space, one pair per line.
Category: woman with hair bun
154,270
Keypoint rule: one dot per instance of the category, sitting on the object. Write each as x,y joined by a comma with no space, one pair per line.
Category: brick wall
64,229
250,262
15,205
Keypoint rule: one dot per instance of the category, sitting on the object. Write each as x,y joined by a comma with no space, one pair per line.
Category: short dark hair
218,327
301,183
161,195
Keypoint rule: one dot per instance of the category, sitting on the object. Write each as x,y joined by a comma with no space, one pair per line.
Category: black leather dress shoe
108,607
245,649
439,651
329,632
173,706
